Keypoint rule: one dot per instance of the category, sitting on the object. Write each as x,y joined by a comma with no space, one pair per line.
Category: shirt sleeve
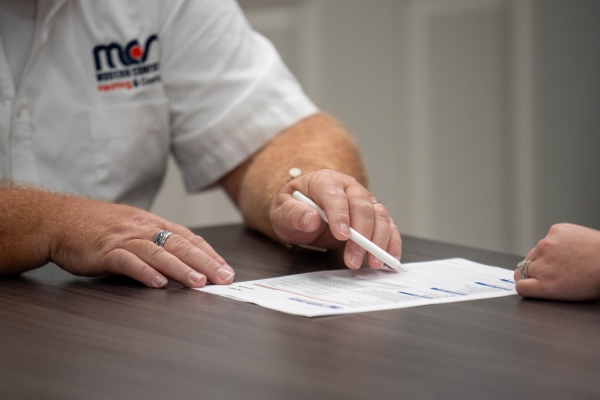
228,89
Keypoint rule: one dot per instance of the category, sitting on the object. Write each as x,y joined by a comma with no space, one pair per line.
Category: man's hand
333,176
93,238
347,204
565,265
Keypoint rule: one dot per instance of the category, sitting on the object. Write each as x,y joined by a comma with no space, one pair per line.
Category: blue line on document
415,295
448,291
509,281
313,303
492,286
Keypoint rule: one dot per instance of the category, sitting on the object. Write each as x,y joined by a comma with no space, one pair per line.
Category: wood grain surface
65,337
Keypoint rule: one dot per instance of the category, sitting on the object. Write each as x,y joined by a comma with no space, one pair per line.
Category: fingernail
345,229
357,260
306,218
195,277
378,262
159,281
225,273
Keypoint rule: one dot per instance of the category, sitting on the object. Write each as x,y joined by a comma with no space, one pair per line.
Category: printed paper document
351,291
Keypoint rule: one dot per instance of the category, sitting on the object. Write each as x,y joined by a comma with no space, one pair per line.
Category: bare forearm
316,143
34,224
90,238
24,237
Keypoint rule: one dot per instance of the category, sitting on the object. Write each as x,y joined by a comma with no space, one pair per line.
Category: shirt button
20,107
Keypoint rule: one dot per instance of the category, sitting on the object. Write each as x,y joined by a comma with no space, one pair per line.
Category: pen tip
397,267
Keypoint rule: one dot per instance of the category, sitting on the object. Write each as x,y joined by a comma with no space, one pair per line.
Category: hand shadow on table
51,280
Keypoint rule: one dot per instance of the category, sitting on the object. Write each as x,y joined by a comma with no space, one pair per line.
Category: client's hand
347,204
565,265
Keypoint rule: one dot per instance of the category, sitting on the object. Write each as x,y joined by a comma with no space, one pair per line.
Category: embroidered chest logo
125,67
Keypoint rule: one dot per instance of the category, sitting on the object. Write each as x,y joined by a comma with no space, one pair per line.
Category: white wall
568,99
456,107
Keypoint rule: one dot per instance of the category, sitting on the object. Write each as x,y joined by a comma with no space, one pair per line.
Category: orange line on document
303,295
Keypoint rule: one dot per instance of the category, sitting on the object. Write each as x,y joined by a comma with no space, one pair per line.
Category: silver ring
375,202
522,268
161,237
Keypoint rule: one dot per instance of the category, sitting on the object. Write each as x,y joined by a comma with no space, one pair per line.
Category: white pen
356,237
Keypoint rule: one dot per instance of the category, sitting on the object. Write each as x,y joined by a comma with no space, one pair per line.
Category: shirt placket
21,146
7,96
21,158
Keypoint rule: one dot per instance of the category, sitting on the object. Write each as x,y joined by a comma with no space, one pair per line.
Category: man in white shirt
94,95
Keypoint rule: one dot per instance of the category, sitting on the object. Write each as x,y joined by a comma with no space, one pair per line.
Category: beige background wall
477,119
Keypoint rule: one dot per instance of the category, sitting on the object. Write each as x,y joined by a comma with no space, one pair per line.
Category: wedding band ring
375,202
161,237
522,268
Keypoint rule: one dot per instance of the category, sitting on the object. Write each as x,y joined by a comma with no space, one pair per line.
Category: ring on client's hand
375,202
522,268
161,237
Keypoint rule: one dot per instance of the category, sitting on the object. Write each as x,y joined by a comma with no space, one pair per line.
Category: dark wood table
65,337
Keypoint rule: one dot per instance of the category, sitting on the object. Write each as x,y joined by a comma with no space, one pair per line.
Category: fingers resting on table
118,240
565,265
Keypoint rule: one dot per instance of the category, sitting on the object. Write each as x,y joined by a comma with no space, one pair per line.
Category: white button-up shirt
112,86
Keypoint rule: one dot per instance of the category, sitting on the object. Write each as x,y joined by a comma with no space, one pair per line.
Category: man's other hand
95,238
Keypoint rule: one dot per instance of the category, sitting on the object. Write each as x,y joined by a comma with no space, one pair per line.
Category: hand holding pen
357,237
353,215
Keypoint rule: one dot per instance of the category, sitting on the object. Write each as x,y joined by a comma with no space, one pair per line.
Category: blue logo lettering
131,54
